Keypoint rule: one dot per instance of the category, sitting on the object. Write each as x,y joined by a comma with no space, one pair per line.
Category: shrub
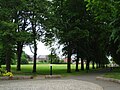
8,74
2,70
5,73
24,59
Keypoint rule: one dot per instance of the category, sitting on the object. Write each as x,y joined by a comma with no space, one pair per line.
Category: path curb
53,76
16,78
31,77
108,79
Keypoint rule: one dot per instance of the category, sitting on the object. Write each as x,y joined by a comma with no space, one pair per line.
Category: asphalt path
87,81
91,77
48,84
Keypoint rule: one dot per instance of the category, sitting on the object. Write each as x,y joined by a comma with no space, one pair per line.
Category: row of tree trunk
98,64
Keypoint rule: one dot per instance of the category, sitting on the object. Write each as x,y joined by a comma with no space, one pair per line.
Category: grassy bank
114,73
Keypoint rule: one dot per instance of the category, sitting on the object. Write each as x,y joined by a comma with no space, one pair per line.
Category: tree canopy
88,28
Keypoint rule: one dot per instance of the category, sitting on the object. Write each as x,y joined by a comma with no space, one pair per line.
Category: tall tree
99,30
70,24
38,16
115,38
7,29
7,32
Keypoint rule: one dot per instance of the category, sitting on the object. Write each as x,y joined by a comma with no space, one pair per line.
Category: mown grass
59,69
44,69
114,73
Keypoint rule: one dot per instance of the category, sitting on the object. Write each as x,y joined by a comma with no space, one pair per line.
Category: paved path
91,77
82,82
48,84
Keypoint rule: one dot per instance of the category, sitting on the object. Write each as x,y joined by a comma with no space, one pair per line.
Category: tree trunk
19,54
8,53
20,47
106,66
8,66
93,65
35,45
77,62
8,60
103,65
87,65
97,65
82,64
35,56
69,60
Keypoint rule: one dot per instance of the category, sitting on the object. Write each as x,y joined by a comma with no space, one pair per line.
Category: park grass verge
44,69
114,73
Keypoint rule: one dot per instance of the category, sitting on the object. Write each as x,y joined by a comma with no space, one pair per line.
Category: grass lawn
115,73
44,69
59,69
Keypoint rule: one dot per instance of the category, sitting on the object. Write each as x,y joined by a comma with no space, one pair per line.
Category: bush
2,70
24,59
62,62
5,73
8,74
54,57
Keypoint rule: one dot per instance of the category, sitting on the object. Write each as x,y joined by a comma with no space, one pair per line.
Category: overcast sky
42,49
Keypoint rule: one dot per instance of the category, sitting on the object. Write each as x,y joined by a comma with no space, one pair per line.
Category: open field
44,69
59,69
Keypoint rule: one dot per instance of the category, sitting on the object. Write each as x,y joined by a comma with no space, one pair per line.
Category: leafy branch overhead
87,28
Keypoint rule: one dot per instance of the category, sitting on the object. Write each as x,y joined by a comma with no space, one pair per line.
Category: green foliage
55,59
24,59
2,70
18,19
2,57
5,73
89,27
9,74
62,62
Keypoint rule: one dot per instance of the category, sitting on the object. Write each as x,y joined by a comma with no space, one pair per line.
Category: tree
15,12
7,31
115,26
53,56
2,57
100,30
70,23
38,16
